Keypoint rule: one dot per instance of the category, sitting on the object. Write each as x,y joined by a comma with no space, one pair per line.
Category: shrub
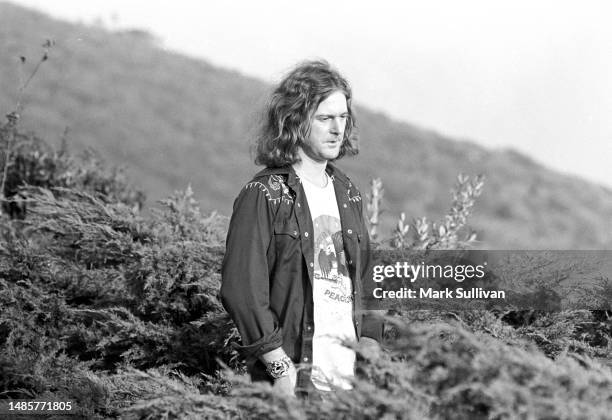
120,313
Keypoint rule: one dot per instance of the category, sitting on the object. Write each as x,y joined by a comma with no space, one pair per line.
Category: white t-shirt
332,292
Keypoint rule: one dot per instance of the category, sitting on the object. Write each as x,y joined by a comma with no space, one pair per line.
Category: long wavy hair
288,116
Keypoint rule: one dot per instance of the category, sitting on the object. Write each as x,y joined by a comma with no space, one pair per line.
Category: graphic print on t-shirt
330,262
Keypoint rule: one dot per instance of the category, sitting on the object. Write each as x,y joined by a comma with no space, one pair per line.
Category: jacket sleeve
372,321
245,285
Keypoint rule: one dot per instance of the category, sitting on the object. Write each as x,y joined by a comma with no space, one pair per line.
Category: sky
532,75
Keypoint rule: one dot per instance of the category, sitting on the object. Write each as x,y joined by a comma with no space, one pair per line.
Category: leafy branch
444,234
9,131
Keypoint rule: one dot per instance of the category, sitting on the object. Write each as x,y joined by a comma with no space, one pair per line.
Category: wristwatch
279,368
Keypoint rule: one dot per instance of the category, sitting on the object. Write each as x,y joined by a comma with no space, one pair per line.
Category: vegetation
118,311
89,287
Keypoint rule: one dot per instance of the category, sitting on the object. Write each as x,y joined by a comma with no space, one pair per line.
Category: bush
88,285
120,313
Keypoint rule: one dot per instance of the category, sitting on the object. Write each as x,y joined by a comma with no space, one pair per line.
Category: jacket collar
292,180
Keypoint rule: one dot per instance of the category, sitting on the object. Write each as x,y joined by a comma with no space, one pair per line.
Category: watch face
278,368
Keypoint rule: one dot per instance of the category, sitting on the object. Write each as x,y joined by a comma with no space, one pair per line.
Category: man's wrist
279,368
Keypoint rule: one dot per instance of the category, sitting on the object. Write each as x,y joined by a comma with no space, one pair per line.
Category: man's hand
285,385
369,348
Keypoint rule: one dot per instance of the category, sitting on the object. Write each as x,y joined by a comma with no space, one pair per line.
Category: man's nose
336,126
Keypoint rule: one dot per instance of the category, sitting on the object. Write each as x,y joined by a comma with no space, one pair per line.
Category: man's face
327,128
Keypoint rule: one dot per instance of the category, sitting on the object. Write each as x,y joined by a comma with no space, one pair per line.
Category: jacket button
356,322
299,205
350,262
306,234
311,264
308,328
350,231
295,232
344,205
305,359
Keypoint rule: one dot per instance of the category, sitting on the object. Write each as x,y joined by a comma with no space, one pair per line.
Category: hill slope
174,120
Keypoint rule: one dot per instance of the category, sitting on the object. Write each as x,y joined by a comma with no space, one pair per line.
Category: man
297,245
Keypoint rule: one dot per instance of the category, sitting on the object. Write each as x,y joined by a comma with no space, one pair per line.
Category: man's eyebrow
345,113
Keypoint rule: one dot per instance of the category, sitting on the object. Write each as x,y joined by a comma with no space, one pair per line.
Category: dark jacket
268,266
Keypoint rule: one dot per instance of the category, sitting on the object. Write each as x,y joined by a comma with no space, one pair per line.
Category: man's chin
332,155
322,156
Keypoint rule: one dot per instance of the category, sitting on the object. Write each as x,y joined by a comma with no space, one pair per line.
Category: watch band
279,368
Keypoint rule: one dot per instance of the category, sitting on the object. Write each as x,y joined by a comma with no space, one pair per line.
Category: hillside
174,120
